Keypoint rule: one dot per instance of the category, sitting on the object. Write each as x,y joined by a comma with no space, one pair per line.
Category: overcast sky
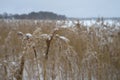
70,8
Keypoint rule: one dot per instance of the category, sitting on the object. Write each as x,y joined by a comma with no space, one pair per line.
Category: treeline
34,15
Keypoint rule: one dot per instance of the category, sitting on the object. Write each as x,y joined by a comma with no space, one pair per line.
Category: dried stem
35,52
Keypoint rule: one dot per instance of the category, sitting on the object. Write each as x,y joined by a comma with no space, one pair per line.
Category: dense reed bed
45,50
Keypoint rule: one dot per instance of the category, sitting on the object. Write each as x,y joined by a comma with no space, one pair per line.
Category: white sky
70,8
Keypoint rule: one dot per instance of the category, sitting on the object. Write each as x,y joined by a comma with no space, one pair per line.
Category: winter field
59,50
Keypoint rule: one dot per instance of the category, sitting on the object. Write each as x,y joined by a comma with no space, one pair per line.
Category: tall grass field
59,50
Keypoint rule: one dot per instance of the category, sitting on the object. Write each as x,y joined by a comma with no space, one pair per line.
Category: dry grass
56,53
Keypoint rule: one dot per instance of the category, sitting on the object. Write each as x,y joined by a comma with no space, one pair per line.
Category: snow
20,33
69,23
56,29
28,35
14,63
5,61
64,38
46,36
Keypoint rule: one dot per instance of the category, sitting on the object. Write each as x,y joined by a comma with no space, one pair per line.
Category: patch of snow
19,33
14,63
56,29
5,61
64,38
46,36
28,35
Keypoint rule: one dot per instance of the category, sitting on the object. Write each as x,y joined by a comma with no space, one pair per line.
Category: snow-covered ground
88,22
